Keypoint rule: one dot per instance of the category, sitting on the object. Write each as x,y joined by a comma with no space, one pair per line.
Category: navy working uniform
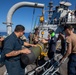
52,47
13,64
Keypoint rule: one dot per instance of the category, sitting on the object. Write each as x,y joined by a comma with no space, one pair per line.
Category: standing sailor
36,36
13,49
71,49
52,44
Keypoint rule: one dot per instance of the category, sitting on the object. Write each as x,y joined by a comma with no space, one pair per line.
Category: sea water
5,33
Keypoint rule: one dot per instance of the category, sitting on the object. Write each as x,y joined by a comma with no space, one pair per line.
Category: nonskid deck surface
2,70
62,69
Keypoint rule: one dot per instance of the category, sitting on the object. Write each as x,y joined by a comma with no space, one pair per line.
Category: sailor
52,44
71,49
13,49
36,36
30,37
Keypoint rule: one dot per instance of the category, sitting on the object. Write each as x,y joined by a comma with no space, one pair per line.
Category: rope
42,53
32,18
40,47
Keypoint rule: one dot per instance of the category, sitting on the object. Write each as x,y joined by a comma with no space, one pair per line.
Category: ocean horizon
5,33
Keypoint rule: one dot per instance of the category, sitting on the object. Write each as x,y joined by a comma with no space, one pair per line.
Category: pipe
14,8
31,57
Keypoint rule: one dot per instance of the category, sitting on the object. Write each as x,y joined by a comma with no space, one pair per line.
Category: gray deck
2,70
62,70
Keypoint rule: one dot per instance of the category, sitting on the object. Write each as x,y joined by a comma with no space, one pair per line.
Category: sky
25,15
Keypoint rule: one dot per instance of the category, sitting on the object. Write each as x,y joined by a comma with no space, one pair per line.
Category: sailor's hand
33,45
60,34
43,41
36,39
62,60
1,38
27,51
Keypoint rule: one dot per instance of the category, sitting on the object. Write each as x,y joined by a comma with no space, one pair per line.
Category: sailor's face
37,31
21,33
67,31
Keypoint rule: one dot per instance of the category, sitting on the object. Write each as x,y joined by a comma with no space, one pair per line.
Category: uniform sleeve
53,44
54,40
8,46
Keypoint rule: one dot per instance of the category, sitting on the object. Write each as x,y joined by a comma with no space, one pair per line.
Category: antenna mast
50,11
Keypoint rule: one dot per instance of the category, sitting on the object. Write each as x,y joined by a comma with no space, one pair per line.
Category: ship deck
62,69
2,70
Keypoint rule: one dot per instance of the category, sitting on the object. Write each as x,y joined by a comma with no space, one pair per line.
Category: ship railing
72,20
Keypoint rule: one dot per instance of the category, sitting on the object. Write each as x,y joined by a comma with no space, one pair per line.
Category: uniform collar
15,35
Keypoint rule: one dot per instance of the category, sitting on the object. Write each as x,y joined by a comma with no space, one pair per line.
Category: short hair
19,28
36,29
70,27
50,31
